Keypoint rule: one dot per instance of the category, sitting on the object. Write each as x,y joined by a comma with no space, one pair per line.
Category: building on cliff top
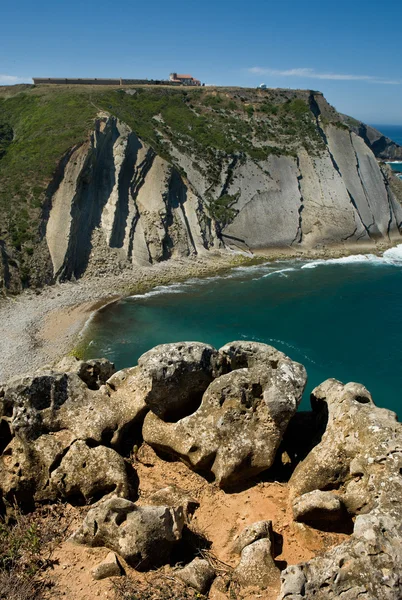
184,79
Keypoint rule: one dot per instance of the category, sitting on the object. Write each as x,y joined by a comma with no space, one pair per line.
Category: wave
393,256
279,272
175,288
278,342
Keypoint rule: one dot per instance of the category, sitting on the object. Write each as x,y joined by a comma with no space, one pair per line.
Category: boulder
94,373
88,473
175,497
317,506
143,535
109,567
252,533
257,567
53,423
178,375
238,427
198,574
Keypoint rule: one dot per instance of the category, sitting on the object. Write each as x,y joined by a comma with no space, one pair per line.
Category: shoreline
39,327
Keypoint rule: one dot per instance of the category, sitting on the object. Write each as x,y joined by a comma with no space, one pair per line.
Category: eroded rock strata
154,174
73,433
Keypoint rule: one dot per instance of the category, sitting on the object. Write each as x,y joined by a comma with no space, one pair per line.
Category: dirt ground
221,516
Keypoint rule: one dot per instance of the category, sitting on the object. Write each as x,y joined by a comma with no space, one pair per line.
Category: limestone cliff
381,145
172,173
116,192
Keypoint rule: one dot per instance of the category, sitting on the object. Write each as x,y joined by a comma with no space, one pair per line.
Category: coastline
39,327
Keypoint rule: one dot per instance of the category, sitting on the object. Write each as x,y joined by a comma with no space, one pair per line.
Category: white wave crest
279,272
393,256
177,288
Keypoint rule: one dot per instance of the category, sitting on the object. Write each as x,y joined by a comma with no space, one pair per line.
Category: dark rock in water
381,145
143,535
236,431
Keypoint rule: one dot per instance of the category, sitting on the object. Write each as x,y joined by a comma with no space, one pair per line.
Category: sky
349,50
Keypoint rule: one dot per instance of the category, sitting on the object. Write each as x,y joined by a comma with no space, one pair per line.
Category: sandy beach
39,327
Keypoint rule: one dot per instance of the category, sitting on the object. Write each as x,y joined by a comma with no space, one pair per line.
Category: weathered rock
257,567
198,574
175,497
93,373
178,376
89,473
53,424
252,533
238,427
143,535
360,454
317,506
109,567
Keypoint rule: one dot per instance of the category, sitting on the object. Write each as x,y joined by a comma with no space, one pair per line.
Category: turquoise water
341,318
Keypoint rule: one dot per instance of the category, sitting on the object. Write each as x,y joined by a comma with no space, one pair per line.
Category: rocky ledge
72,433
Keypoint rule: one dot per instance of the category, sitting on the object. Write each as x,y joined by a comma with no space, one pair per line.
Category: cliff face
382,146
165,174
116,193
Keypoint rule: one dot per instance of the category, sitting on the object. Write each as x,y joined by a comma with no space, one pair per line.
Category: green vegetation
221,210
44,127
26,546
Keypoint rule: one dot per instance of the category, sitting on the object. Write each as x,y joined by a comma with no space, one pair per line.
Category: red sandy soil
220,518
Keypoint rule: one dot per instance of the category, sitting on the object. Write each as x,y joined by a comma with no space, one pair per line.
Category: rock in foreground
237,429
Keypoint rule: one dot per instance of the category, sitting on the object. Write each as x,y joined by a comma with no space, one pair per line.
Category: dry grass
156,586
26,547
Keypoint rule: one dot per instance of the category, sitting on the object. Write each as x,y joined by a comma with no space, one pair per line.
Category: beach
39,327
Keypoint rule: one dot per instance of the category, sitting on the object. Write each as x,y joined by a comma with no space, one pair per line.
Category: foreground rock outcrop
237,429
74,436
360,459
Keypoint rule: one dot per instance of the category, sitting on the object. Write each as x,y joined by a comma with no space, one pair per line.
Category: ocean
340,318
394,132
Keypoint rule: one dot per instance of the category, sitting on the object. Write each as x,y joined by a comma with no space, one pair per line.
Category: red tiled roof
184,77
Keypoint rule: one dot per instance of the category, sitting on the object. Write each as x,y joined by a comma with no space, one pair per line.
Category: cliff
382,146
100,179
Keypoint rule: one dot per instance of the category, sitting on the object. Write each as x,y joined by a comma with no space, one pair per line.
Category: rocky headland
193,475
131,177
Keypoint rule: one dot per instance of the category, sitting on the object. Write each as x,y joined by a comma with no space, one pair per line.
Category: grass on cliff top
38,125
42,128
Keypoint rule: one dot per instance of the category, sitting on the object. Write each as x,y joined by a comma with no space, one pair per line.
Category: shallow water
341,318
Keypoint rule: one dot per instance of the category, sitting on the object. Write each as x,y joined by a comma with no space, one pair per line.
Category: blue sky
350,50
